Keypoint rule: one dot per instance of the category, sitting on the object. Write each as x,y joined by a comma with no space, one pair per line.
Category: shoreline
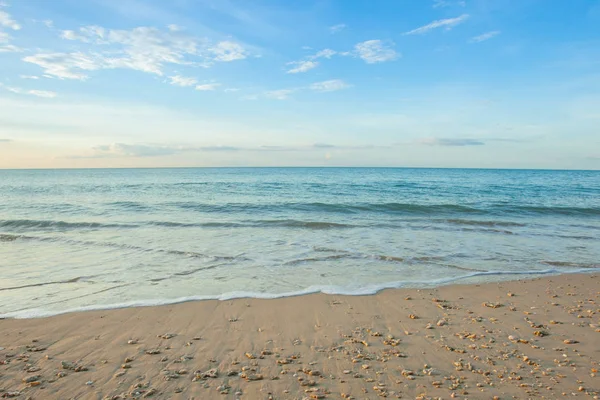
534,338
324,290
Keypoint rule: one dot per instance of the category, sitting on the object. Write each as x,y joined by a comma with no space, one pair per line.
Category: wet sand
520,339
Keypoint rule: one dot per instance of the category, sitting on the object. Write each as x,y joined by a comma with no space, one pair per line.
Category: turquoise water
86,239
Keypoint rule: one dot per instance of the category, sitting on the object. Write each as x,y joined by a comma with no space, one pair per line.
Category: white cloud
282,94
179,80
230,90
49,23
485,36
9,48
207,87
325,53
228,51
446,3
7,21
329,86
449,23
144,49
451,142
38,93
133,150
29,77
72,35
375,51
42,93
310,63
66,65
337,28
174,28
302,66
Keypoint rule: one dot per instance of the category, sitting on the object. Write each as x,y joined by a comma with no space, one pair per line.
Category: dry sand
521,339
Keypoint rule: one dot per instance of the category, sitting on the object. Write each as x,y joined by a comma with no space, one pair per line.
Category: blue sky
439,83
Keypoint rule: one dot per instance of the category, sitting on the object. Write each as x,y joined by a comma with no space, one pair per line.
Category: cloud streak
183,81
123,150
302,66
7,21
33,92
329,86
337,28
451,142
485,36
375,51
448,23
206,87
145,49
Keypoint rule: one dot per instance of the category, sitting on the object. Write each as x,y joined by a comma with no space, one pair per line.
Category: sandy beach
520,339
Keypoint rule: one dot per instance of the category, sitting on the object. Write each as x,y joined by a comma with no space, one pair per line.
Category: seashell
167,336
32,378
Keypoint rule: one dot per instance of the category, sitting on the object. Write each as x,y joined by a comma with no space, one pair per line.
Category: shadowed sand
520,339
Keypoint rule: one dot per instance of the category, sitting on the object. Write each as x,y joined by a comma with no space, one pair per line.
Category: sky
406,83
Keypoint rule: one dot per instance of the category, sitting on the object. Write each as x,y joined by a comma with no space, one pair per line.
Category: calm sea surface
86,239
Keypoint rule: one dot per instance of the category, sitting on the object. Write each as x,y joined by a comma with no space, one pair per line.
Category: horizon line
298,167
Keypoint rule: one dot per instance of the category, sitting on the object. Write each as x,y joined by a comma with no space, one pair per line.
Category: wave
72,280
484,223
395,208
325,289
9,238
284,223
58,225
571,264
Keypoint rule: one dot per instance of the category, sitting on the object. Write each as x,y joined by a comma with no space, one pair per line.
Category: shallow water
85,239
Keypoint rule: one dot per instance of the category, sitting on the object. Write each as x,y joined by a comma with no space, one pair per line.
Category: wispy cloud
337,28
228,51
133,150
448,23
143,150
72,35
144,49
447,3
34,77
484,37
453,142
325,53
205,87
310,61
66,65
5,140
329,86
301,66
32,92
281,94
42,93
184,81
375,51
7,21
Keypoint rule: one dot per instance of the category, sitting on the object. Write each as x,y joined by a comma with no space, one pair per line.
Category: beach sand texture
518,339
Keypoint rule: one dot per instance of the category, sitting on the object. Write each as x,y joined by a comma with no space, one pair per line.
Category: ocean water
93,239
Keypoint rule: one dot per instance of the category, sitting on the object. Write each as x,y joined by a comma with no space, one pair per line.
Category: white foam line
332,290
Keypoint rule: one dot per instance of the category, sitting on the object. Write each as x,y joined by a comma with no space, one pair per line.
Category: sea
75,240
